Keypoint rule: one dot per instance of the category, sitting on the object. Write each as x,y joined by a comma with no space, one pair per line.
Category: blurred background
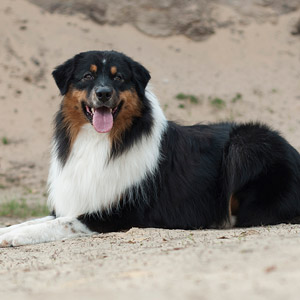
209,60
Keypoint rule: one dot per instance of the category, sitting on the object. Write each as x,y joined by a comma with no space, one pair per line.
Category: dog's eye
118,77
88,76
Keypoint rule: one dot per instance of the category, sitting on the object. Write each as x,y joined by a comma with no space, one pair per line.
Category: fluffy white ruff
42,231
89,182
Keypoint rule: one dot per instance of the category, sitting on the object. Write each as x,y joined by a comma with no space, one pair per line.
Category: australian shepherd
117,162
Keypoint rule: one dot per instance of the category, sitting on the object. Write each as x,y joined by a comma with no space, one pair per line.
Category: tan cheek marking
113,70
93,68
131,108
74,117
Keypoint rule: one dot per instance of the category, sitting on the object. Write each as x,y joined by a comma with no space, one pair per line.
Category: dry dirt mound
195,19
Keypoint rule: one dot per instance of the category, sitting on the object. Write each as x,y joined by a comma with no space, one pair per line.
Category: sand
258,263
260,62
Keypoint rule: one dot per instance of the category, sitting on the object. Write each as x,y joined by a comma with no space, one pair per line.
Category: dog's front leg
32,222
48,231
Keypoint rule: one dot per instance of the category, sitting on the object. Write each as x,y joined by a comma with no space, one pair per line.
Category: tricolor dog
117,162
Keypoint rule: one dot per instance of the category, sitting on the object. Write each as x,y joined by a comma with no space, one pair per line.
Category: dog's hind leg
31,222
263,174
48,231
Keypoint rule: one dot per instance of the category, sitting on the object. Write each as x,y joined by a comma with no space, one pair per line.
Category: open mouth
101,118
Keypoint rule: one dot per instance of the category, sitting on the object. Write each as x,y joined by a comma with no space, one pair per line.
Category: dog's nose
104,93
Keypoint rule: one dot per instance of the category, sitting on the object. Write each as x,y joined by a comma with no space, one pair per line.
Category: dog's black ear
62,75
141,75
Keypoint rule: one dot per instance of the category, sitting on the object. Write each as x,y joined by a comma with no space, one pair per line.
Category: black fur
63,74
201,167
61,137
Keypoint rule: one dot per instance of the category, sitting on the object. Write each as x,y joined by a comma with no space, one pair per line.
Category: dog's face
104,88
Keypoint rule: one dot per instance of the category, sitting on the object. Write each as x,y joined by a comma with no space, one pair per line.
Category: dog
117,163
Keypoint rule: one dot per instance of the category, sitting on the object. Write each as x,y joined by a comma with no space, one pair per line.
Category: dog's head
105,88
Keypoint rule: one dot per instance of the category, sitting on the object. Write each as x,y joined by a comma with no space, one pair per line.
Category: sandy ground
258,263
259,61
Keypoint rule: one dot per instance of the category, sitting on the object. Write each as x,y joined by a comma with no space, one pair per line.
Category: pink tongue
103,119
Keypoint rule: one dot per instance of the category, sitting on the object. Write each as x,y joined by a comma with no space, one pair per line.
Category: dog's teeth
93,110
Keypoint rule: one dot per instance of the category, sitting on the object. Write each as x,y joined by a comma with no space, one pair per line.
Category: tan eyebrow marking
93,68
113,70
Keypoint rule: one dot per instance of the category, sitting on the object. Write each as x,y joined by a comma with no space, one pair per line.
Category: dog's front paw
14,239
8,240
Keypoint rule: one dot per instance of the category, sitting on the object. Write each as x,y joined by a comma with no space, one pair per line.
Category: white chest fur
90,182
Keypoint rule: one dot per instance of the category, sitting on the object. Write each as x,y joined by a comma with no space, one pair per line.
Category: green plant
20,208
181,106
181,96
236,98
218,103
4,141
192,98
